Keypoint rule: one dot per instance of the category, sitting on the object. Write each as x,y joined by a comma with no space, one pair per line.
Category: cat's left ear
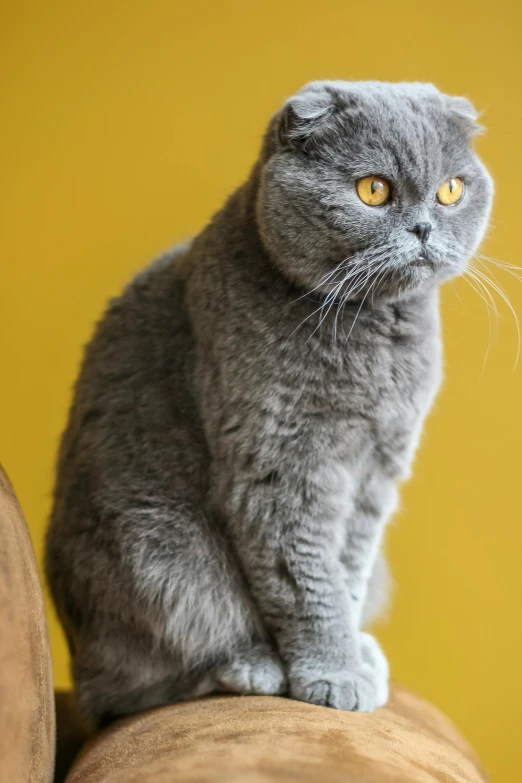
464,114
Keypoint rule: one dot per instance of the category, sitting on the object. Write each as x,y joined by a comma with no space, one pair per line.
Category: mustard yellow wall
123,126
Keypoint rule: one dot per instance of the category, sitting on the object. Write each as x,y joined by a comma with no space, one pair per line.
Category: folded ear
304,116
465,115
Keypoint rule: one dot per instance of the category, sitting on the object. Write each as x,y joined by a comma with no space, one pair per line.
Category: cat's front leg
320,640
366,575
288,542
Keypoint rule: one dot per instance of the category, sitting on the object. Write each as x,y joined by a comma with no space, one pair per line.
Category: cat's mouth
422,260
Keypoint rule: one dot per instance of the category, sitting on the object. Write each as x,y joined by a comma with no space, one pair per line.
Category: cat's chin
422,260
422,270
422,273
414,278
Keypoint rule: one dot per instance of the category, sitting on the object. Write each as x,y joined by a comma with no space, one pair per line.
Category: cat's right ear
303,117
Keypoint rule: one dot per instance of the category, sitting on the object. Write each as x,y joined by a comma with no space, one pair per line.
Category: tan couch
223,739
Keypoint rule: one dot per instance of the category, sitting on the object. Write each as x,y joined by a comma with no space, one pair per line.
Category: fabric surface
260,739
26,697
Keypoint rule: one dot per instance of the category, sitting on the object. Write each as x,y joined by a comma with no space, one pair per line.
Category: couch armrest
255,739
26,697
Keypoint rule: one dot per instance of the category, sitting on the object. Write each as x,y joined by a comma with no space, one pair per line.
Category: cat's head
377,179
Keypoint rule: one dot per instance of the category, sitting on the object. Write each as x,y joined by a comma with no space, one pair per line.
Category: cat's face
376,183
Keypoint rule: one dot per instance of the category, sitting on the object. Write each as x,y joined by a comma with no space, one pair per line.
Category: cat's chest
377,372
376,390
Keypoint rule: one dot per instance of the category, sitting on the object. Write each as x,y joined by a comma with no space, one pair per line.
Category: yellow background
123,127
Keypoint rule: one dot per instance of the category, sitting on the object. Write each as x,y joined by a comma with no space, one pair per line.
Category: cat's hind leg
256,669
374,658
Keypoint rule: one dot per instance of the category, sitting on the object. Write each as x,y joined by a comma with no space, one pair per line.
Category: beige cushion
26,697
260,739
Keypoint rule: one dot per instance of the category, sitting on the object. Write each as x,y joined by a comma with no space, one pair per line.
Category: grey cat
248,404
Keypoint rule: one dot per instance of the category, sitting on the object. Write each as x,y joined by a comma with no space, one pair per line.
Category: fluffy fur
247,406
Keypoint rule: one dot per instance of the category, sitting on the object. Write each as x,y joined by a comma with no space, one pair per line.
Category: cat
248,405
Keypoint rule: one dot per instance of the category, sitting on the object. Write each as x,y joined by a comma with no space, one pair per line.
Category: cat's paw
255,671
349,690
374,658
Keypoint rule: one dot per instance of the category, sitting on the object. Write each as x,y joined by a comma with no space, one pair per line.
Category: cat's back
134,383
142,329
132,459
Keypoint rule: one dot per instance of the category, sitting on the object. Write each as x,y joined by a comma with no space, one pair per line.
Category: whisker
355,278
502,264
378,279
355,289
358,311
479,289
353,273
380,265
332,294
322,282
340,285
500,291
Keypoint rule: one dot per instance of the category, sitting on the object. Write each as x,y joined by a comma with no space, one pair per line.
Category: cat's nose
422,230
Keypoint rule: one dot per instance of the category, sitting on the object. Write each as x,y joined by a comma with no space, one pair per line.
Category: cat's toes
374,658
256,671
351,690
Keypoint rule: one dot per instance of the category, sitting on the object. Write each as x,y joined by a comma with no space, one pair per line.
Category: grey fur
243,415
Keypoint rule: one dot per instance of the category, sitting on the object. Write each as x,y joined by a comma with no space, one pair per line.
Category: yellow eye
374,191
451,191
